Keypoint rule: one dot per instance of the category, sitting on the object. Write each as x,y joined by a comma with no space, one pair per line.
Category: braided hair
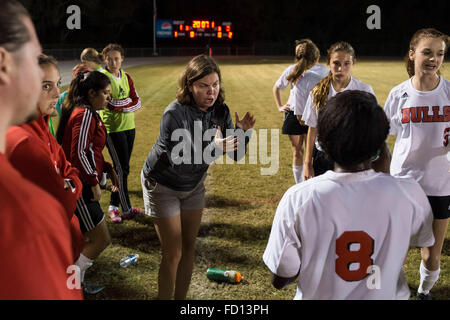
322,89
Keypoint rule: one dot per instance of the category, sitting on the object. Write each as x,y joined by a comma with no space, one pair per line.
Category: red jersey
83,143
35,241
36,154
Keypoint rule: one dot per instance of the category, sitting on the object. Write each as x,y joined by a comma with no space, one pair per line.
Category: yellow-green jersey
119,116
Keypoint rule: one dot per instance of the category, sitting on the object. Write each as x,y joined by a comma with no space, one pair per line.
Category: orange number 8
347,257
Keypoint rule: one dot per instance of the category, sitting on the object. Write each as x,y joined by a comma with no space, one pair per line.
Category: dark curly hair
352,127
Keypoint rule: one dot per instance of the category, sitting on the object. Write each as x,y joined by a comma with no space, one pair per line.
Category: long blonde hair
322,89
306,55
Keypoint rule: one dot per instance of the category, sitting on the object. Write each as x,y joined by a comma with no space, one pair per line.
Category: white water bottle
125,262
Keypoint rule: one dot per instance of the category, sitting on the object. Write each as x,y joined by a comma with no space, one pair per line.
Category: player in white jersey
301,89
345,234
306,56
419,113
340,58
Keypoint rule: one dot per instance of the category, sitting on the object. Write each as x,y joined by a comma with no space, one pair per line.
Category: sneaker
423,296
91,288
130,214
115,215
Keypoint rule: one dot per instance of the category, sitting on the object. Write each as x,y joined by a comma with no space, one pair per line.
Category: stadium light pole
154,28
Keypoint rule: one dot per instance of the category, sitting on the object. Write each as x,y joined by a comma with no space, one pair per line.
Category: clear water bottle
132,258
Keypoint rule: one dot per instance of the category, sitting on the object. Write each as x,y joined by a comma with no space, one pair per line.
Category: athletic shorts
292,126
321,163
88,212
440,206
163,202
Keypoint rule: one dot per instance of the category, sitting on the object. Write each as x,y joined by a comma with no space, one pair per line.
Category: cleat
132,213
423,296
115,215
91,288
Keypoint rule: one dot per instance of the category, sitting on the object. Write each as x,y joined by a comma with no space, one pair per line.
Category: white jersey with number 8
336,229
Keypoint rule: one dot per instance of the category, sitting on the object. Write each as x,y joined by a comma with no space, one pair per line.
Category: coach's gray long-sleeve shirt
185,146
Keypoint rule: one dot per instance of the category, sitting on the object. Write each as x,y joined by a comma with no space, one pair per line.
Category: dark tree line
262,22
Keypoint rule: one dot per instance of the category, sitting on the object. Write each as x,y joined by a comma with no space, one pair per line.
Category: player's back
348,225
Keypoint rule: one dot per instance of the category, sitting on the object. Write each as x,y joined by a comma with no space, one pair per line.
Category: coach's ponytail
306,55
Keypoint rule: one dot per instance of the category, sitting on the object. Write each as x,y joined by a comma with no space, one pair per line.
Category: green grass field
240,202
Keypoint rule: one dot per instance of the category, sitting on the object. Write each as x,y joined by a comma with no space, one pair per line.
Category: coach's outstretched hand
247,122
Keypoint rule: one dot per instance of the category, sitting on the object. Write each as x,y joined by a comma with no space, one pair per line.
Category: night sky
261,23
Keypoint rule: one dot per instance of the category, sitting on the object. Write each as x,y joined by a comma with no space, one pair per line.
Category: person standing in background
119,121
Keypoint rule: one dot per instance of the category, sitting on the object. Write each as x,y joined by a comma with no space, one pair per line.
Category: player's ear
411,55
6,61
92,93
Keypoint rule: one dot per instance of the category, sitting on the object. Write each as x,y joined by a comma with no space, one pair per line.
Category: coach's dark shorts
292,126
321,163
89,212
440,206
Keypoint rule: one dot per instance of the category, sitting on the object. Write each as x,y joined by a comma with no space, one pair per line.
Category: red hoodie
36,154
34,241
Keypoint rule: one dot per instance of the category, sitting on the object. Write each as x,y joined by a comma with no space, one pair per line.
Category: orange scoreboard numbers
202,29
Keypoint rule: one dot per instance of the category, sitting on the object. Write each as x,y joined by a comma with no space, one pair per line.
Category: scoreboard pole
154,28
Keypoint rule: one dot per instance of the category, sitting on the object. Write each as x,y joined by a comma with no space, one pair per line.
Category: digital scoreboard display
194,29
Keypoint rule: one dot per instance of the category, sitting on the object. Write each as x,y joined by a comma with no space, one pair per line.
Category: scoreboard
194,29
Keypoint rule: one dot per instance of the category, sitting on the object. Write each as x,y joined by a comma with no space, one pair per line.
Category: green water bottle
223,275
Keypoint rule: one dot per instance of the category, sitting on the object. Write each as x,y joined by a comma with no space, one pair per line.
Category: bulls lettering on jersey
422,114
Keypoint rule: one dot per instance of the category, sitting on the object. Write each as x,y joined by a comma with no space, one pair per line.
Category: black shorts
292,126
88,212
440,206
321,163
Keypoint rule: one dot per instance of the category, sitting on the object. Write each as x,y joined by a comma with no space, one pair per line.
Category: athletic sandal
115,216
132,213
91,288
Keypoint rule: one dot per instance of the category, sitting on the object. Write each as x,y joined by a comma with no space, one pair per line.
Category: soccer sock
427,278
112,208
298,173
83,263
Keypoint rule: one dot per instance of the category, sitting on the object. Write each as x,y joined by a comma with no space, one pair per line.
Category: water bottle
221,275
125,262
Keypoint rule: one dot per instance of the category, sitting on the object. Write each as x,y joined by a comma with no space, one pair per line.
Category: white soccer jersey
282,83
330,229
310,115
418,119
304,85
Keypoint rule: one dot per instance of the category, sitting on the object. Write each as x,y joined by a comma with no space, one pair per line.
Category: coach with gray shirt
190,139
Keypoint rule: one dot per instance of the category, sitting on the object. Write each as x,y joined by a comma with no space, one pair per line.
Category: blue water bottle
125,262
